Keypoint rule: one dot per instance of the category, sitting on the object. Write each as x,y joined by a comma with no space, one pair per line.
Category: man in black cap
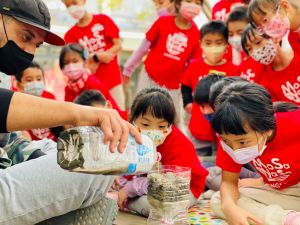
37,190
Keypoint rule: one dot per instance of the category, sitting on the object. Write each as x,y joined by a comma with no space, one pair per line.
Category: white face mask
214,54
244,155
265,54
77,11
157,136
236,42
34,88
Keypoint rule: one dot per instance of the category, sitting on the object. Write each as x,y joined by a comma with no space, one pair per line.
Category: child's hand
238,216
117,184
189,107
251,182
106,57
122,199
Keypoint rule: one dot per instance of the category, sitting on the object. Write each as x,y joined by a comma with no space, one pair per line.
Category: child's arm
137,187
187,96
136,58
229,198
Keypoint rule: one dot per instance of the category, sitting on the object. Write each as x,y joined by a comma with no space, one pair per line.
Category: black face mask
13,59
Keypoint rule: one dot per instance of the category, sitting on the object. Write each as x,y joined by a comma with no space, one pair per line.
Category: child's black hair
74,47
202,90
238,14
90,97
243,104
218,87
214,27
156,101
33,64
248,35
285,107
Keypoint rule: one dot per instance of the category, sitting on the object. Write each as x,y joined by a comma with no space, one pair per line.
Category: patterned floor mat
203,215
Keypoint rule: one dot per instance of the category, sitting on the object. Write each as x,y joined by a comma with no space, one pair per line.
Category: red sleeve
153,33
111,29
196,53
187,76
94,83
199,127
225,162
69,37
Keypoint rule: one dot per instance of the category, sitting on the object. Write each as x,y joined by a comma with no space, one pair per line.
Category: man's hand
122,199
115,129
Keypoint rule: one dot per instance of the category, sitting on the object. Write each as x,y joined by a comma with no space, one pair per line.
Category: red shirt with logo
252,70
284,85
98,37
198,69
171,49
222,8
42,133
294,40
279,165
178,150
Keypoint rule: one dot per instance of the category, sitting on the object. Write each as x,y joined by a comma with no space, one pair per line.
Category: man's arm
27,112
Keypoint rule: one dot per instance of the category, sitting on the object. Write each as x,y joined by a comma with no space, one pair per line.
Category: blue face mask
209,117
34,88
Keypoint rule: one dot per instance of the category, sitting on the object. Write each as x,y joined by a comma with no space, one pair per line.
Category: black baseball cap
32,12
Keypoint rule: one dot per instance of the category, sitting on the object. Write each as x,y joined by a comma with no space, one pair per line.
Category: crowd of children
230,92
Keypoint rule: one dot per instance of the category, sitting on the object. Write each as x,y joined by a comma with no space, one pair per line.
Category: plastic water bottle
81,149
169,195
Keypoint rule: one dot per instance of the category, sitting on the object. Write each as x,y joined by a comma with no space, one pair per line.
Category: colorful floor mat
203,215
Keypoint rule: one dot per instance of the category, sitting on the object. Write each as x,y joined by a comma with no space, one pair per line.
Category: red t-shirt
198,69
284,85
279,165
97,37
199,127
222,8
252,70
294,40
41,133
178,150
171,49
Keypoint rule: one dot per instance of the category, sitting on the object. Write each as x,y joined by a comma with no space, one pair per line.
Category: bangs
157,104
229,120
256,7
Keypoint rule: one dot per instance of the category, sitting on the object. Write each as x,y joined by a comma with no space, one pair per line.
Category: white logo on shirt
222,15
95,43
41,133
176,44
274,171
249,75
292,92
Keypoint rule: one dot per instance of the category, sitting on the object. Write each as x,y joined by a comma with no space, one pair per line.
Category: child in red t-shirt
72,62
236,23
173,41
31,81
222,8
250,131
100,35
153,113
282,73
276,19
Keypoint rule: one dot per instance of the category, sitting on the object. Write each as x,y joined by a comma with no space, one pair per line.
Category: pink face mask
277,27
74,71
189,10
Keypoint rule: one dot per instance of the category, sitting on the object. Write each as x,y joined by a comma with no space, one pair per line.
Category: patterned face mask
157,136
265,54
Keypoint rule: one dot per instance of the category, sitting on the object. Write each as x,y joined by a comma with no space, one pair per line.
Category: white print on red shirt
275,172
41,133
176,44
95,43
249,75
292,92
222,15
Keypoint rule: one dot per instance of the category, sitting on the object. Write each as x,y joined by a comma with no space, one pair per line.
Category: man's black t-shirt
5,98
